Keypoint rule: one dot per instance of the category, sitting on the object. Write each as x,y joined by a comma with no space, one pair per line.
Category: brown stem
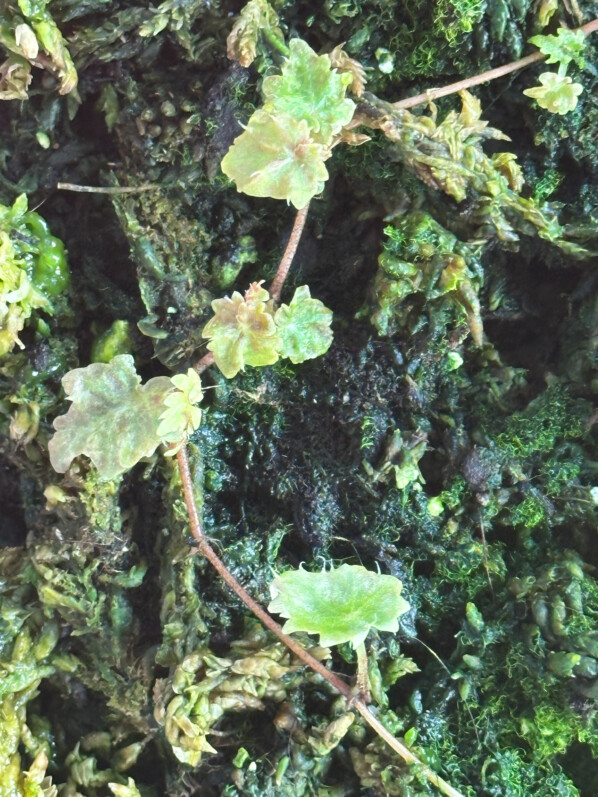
491,74
206,549
204,363
289,253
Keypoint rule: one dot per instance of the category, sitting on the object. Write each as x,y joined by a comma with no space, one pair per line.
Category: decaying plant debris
447,437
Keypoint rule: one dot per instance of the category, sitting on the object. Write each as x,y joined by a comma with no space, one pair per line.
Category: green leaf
181,416
275,157
309,89
341,605
566,46
113,419
242,331
558,94
304,327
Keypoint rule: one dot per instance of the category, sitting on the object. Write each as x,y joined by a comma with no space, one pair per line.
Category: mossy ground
119,649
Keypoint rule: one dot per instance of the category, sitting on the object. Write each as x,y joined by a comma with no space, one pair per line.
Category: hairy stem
491,74
206,550
289,253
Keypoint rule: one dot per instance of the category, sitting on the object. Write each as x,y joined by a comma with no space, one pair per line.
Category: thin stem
289,253
343,688
491,74
100,189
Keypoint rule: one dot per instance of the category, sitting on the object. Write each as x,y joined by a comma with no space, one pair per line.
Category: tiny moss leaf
113,419
341,604
304,327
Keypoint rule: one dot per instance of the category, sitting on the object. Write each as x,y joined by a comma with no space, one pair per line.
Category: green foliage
242,331
257,17
448,156
308,89
276,157
282,150
27,35
204,687
421,260
182,416
116,421
550,417
303,327
245,331
558,93
341,604
566,46
34,270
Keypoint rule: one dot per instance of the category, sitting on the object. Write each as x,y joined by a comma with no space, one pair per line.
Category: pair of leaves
282,150
557,92
116,421
245,330
341,604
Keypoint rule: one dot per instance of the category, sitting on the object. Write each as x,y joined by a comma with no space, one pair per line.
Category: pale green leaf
558,94
181,416
304,327
566,46
310,89
242,331
341,604
275,157
113,419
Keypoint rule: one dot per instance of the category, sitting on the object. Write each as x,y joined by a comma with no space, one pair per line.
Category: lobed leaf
181,416
310,90
275,157
558,94
242,331
341,604
113,419
566,46
304,327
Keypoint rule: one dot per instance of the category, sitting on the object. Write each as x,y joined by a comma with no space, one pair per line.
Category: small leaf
309,89
181,416
566,46
113,419
304,327
341,605
558,94
275,157
242,331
